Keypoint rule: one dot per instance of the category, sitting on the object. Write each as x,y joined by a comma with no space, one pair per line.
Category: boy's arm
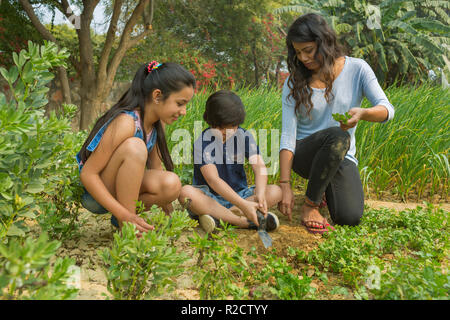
260,171
209,172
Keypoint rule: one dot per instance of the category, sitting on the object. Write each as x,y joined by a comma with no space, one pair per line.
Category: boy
220,190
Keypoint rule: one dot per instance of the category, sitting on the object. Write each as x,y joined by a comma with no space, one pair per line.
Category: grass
406,157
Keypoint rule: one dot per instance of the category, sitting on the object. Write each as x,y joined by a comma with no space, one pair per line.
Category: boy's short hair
224,108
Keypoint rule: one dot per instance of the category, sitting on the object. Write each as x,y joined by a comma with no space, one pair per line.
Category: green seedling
341,117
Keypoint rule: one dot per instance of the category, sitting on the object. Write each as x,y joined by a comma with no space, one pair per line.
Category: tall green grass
406,157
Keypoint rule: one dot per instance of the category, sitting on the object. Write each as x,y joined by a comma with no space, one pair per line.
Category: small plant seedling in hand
341,117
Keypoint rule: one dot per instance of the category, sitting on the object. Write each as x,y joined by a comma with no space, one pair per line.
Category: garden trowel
265,238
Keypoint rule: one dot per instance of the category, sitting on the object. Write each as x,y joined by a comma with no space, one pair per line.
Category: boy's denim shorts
244,194
93,206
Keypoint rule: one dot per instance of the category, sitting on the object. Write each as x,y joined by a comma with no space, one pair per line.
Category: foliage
37,152
145,267
279,278
225,43
406,157
27,271
407,248
220,264
390,36
15,30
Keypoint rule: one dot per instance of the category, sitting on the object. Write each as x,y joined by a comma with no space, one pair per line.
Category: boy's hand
261,200
249,210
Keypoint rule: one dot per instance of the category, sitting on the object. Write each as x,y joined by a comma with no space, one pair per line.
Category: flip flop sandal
326,227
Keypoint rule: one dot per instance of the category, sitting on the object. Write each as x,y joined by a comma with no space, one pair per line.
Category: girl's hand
140,223
261,200
287,202
356,114
249,210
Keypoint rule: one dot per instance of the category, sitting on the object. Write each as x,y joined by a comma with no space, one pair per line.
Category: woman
324,81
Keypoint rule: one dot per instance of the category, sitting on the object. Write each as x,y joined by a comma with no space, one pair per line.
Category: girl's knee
134,148
171,183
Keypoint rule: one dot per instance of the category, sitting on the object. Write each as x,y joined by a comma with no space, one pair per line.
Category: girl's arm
118,131
209,172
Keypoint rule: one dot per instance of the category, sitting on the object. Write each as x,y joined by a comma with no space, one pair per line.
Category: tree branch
110,36
126,42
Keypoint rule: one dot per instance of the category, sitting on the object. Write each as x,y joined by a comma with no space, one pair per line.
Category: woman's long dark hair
169,78
311,27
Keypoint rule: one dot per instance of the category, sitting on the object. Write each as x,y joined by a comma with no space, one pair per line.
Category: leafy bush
145,267
37,153
220,264
26,271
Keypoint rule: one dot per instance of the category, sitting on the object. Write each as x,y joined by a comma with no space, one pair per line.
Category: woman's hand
287,202
261,200
357,114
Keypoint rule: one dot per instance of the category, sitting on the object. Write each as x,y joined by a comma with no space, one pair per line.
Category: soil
97,234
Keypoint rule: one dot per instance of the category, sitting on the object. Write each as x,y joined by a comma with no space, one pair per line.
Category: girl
324,81
120,161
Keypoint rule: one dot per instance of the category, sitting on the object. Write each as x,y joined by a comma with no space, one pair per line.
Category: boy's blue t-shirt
228,157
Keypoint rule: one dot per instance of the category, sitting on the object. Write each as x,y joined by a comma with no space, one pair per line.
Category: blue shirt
228,157
355,81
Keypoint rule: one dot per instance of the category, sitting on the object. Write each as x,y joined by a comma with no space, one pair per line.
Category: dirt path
97,233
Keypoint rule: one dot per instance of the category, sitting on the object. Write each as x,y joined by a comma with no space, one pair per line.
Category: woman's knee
351,218
134,148
339,141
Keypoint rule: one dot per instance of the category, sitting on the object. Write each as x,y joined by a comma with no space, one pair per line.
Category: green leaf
13,230
34,187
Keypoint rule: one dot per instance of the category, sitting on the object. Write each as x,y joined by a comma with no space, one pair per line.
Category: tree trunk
90,107
62,76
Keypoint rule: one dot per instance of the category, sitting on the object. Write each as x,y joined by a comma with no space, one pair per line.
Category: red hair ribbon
153,65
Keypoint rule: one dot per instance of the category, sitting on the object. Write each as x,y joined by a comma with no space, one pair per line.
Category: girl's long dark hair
311,27
169,78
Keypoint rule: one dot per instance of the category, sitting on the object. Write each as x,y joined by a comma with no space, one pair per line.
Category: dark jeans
320,158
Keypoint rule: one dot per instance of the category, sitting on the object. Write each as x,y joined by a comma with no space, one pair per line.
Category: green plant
341,117
27,271
144,267
220,264
37,152
407,248
280,279
400,39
